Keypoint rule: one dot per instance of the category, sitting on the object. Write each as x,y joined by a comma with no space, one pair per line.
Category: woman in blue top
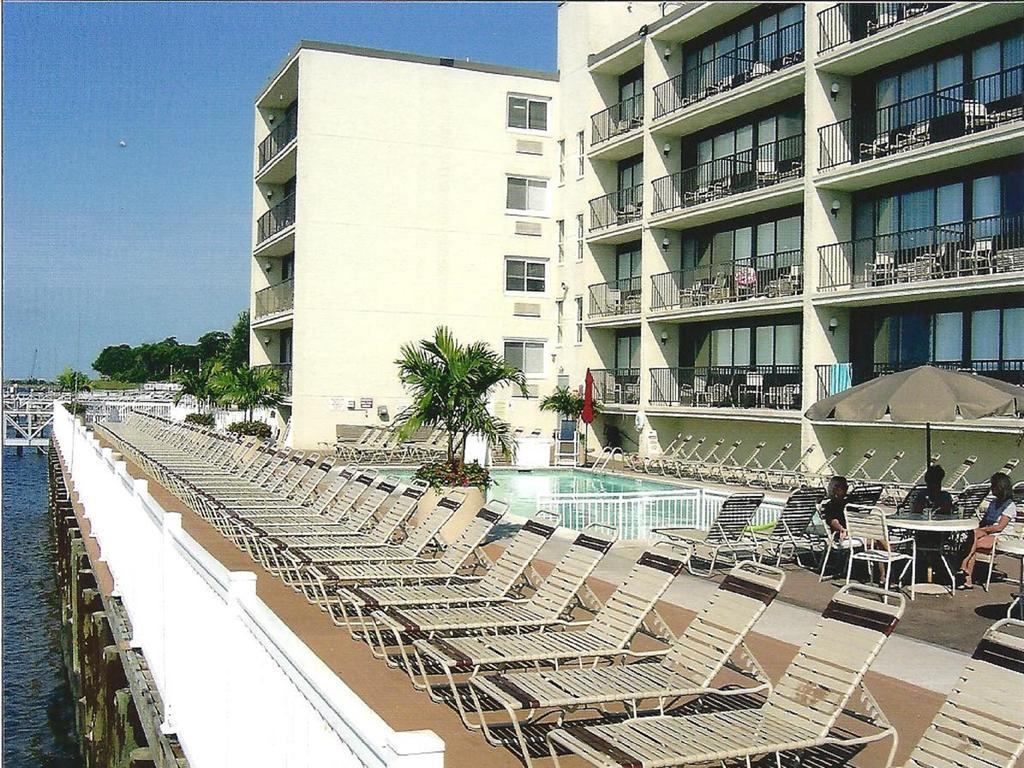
998,518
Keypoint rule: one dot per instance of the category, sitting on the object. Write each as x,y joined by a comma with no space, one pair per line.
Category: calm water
37,709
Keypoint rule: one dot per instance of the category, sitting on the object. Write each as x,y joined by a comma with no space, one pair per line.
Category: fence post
241,587
170,531
415,749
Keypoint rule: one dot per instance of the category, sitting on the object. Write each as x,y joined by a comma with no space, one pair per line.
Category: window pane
764,345
766,238
950,204
537,196
516,198
534,358
949,72
985,60
721,346
539,115
722,247
725,145
915,334
514,354
741,249
1013,52
787,345
516,112
947,336
1013,333
985,335
535,269
741,346
985,197
788,234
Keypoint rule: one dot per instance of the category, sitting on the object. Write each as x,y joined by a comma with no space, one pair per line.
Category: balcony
772,53
616,209
285,372
617,120
838,377
274,299
277,219
751,169
992,246
767,276
849,22
962,110
279,138
776,387
617,298
617,386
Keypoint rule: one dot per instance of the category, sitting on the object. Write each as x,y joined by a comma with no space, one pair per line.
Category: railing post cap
242,584
405,743
140,486
172,520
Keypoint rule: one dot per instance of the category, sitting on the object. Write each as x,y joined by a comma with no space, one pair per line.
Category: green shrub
258,429
202,419
75,409
444,474
112,384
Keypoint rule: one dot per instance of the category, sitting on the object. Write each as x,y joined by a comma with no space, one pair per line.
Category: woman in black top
833,508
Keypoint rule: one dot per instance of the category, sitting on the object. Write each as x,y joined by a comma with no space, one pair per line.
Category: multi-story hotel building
726,211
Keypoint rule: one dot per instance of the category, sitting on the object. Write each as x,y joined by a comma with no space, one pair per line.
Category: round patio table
936,528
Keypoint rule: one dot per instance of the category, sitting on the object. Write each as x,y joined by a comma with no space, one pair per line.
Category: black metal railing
728,386
978,105
620,207
750,169
277,218
275,298
284,371
837,377
849,22
771,53
620,386
279,138
986,246
618,119
618,297
767,276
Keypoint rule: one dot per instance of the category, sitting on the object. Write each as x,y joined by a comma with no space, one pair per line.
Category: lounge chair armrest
675,533
643,654
569,623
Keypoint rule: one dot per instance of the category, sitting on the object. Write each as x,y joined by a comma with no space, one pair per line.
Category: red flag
588,399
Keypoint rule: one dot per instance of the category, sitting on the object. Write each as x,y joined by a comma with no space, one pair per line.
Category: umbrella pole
927,445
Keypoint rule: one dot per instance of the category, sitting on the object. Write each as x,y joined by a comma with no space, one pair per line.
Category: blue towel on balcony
841,375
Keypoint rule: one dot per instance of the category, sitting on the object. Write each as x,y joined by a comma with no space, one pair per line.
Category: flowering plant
454,474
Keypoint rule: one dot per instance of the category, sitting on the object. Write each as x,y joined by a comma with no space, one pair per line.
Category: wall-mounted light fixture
270,119
836,205
267,266
667,149
668,52
564,287
266,339
833,323
834,91
665,242
270,193
663,337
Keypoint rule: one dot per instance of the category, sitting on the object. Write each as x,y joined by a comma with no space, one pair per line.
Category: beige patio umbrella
921,396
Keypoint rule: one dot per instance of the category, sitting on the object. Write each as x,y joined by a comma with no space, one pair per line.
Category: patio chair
976,116
677,466
783,477
867,527
727,534
627,610
959,475
882,269
799,713
688,667
790,531
716,470
551,604
919,135
879,146
978,258
967,501
981,723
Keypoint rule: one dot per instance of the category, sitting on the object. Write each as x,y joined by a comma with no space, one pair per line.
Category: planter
474,501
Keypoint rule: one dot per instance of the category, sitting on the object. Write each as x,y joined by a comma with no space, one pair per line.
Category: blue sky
105,244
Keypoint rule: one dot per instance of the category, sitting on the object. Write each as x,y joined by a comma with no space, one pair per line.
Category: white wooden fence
239,688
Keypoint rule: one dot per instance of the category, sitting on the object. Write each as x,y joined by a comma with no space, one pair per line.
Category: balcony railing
285,371
988,246
280,217
619,386
275,298
279,138
849,22
618,297
616,120
621,207
981,104
771,53
750,169
838,377
726,386
767,276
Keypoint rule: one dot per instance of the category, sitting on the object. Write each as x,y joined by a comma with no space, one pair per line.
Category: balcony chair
878,147
978,258
752,388
718,290
887,17
745,279
881,271
976,116
919,135
767,172
1009,259
783,396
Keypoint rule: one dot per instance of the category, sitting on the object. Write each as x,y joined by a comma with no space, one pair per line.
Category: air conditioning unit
522,309
526,147
529,228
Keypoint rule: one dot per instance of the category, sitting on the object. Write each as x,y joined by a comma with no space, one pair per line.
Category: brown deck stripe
445,502
526,701
1000,655
539,528
861,617
407,624
592,542
605,747
489,515
369,602
462,661
749,589
658,562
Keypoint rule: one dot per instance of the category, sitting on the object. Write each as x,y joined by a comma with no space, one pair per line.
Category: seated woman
998,519
833,512
933,498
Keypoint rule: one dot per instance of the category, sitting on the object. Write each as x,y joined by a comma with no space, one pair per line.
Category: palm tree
450,383
247,387
197,384
567,403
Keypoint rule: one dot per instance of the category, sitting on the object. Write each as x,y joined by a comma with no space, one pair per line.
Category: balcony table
930,531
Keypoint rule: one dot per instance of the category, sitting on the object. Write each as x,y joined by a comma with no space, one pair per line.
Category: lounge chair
798,714
790,532
727,534
688,667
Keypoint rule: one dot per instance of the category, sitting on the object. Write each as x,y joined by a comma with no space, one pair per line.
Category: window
559,317
627,349
527,356
579,319
526,194
561,161
579,237
524,276
527,113
560,226
580,156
